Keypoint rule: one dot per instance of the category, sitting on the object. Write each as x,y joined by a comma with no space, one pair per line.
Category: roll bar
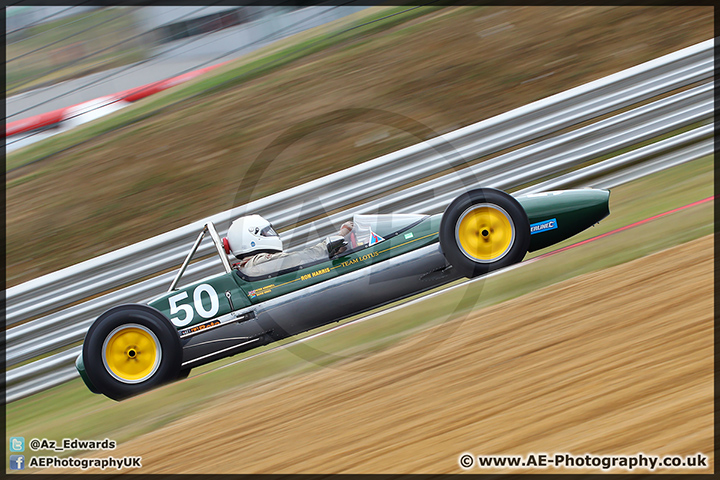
208,227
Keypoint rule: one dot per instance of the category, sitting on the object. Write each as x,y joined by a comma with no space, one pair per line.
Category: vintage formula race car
132,348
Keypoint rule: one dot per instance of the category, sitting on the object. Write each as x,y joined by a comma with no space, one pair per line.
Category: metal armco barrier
111,278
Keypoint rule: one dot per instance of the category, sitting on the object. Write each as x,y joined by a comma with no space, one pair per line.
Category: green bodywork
553,217
572,211
80,366
246,293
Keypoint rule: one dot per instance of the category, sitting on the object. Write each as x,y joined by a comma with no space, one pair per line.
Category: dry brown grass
446,70
614,362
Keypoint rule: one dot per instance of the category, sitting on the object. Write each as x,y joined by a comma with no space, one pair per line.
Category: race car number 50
187,309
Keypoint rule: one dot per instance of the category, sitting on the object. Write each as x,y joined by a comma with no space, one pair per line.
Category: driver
253,241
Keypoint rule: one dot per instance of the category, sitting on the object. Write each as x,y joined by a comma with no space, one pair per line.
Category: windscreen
371,229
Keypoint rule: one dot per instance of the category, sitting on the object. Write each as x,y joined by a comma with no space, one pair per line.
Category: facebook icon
17,462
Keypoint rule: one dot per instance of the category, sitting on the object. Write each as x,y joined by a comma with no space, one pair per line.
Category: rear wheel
483,230
130,349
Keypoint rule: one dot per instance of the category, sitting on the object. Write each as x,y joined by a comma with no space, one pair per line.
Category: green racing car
132,348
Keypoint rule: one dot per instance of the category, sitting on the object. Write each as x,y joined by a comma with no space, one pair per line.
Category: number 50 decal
197,302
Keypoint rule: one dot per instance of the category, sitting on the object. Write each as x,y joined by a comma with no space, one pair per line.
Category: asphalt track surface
634,375
72,92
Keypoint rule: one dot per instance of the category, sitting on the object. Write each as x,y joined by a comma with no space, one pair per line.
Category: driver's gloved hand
335,245
346,228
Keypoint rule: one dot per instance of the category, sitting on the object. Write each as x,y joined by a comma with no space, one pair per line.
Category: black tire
134,330
484,230
183,374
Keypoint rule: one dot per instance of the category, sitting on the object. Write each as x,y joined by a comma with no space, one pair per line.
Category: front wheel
130,349
483,230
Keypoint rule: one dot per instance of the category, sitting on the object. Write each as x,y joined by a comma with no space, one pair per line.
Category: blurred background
441,67
51,45
126,122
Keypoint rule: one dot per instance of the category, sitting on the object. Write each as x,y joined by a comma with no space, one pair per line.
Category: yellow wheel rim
131,353
485,233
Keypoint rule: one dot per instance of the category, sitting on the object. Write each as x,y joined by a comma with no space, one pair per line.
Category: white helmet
251,233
